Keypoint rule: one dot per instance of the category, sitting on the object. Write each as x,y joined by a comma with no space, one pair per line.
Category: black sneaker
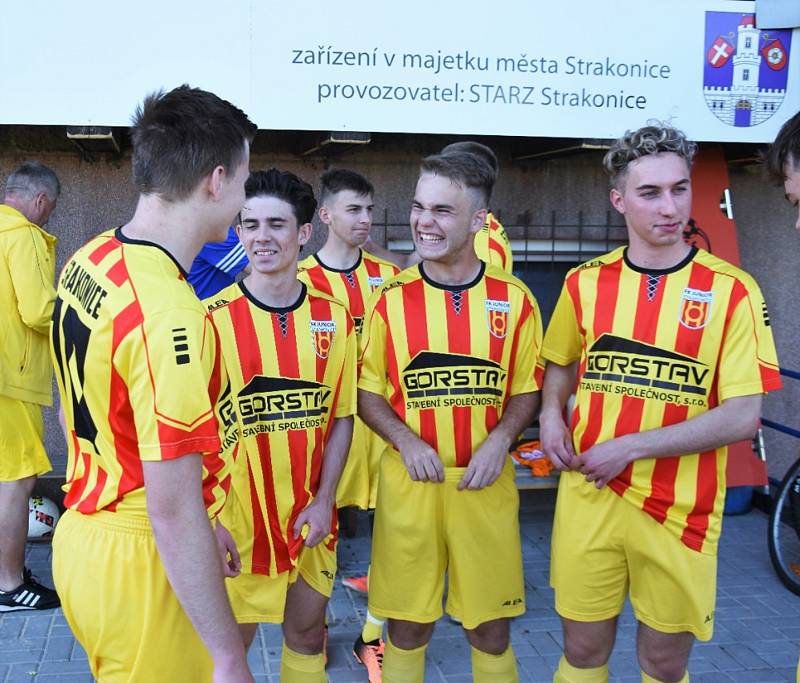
30,595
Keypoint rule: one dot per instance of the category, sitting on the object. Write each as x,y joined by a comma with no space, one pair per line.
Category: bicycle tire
784,530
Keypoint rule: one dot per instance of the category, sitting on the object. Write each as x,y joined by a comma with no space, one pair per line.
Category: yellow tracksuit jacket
27,270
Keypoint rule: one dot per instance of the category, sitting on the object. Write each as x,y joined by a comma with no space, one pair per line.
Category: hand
232,670
421,461
231,562
484,467
556,440
603,462
318,516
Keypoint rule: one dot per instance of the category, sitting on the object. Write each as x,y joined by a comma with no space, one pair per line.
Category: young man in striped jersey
783,161
144,393
344,270
291,355
491,242
449,378
783,166
672,351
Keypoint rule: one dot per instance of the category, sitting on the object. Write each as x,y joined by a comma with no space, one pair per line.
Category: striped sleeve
175,349
748,361
372,364
562,341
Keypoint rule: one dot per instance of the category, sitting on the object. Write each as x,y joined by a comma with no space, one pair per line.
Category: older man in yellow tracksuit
27,269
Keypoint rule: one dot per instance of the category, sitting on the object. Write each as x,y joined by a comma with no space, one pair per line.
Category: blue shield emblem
745,70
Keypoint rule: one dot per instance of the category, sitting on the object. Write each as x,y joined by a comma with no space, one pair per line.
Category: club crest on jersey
695,308
375,281
322,333
497,317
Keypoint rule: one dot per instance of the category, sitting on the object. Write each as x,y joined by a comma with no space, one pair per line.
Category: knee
663,666
409,635
19,490
491,637
586,652
305,638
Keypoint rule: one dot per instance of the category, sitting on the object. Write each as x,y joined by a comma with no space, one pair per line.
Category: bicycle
784,530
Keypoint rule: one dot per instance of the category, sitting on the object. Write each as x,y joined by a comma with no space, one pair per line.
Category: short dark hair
179,137
337,180
285,186
653,138
468,170
477,148
785,150
32,177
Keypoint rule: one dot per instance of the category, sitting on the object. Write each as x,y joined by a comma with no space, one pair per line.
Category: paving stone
21,673
756,635
59,648
69,667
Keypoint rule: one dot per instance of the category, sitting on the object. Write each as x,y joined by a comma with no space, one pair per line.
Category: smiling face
656,200
270,235
444,220
348,216
791,185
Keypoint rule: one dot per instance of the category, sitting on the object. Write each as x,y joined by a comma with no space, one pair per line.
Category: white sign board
515,67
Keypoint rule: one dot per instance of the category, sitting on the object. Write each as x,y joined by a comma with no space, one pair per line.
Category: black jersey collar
340,270
274,309
663,271
452,288
147,243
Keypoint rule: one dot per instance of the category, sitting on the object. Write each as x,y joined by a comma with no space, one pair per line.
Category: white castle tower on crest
743,103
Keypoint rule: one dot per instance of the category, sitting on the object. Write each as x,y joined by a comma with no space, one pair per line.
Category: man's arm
733,420
402,261
487,462
31,279
421,461
188,551
318,513
554,434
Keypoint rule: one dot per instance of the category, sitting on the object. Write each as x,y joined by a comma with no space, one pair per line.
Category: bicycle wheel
784,530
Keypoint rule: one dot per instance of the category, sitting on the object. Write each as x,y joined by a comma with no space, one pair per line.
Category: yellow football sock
373,628
567,673
650,679
403,666
297,668
488,668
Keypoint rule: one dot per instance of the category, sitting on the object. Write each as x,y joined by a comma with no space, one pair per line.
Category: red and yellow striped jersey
352,287
448,358
657,348
492,244
139,373
292,372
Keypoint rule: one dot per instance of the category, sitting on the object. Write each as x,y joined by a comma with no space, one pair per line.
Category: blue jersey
217,265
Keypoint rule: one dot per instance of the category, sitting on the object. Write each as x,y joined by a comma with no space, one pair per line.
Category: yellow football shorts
604,547
358,485
258,598
22,451
119,604
424,529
